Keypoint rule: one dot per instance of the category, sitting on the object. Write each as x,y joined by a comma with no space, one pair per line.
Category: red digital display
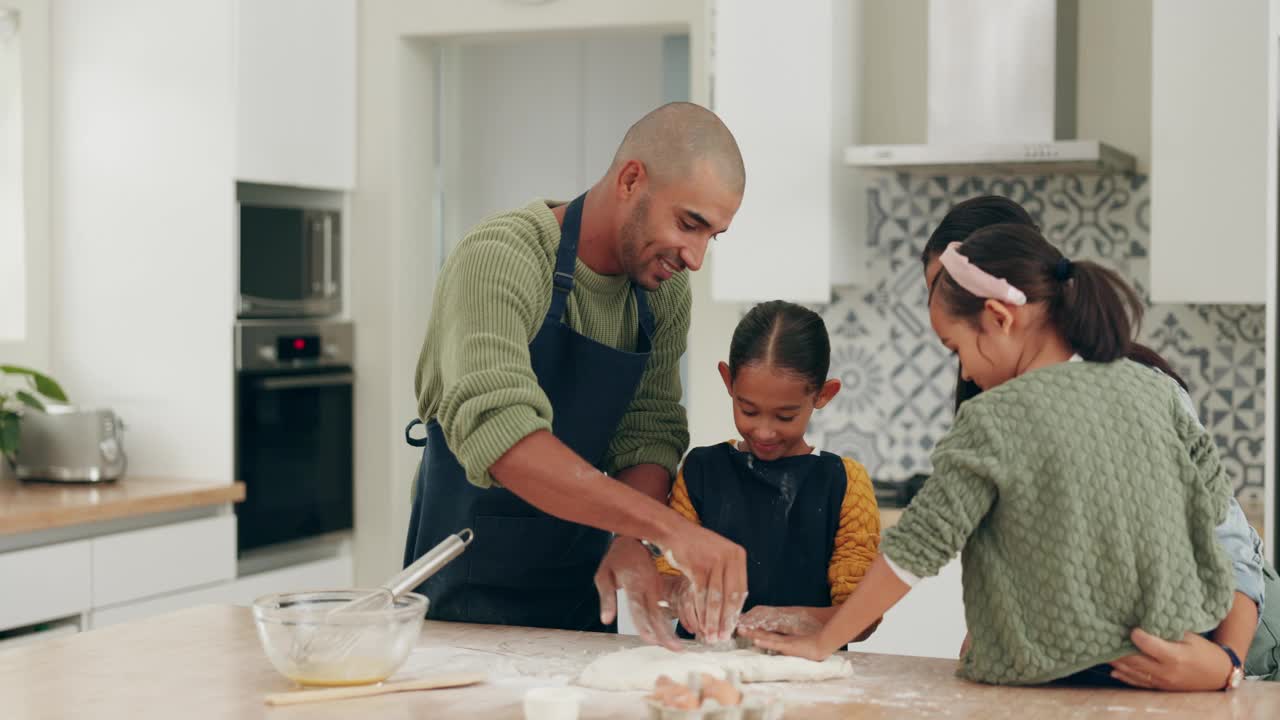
298,347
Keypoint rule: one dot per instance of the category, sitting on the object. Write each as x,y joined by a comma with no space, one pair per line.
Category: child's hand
781,620
805,646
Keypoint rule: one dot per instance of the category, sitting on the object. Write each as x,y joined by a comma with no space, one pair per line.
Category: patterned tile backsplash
899,380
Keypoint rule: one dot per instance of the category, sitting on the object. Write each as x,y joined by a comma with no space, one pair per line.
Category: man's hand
717,571
629,566
678,592
1190,664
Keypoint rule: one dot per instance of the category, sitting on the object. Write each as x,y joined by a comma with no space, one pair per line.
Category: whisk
327,640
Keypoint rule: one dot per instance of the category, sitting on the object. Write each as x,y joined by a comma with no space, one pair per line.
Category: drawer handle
315,381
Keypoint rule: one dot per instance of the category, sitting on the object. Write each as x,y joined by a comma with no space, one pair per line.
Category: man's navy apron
526,567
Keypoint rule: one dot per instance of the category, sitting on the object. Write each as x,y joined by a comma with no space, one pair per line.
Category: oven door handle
311,381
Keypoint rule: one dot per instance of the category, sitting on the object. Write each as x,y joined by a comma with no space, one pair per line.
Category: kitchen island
206,663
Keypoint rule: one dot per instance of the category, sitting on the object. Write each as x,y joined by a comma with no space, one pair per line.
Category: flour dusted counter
206,663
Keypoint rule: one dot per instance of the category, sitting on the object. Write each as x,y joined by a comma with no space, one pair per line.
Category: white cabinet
1209,95
72,578
152,561
791,109
296,92
44,583
928,622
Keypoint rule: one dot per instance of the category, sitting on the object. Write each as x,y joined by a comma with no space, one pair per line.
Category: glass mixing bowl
311,646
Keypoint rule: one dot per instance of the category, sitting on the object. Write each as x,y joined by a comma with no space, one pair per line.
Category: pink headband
978,281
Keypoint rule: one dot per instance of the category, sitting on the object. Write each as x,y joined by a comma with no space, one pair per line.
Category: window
13,264
25,128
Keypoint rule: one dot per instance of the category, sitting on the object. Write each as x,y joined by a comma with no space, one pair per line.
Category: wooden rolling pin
343,693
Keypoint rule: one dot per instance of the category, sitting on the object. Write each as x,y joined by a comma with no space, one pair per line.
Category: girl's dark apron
784,513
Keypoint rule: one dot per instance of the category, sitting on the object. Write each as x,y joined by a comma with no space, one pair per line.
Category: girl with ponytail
1194,661
1081,495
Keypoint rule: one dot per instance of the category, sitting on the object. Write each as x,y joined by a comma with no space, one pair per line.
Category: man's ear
632,177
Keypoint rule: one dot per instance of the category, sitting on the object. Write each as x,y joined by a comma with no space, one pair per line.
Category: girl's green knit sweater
1083,499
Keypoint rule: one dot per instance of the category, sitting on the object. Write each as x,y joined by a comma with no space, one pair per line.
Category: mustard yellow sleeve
857,537
681,503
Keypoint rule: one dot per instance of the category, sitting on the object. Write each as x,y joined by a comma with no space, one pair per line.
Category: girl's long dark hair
1094,308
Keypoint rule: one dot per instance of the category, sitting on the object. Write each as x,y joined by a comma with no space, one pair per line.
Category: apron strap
566,260
645,342
409,438
562,280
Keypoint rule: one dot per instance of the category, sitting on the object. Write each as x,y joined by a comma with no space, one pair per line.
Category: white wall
507,143
143,241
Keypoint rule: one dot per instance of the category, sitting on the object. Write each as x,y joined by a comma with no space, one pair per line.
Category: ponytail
1144,355
1096,311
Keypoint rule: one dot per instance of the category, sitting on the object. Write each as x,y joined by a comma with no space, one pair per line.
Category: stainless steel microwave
290,262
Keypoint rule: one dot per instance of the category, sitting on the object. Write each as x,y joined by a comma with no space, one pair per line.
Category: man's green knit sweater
474,376
1084,498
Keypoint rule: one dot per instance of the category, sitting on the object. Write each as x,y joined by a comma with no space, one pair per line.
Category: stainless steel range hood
1001,95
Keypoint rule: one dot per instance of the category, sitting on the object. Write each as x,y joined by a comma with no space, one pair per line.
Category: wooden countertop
28,507
206,663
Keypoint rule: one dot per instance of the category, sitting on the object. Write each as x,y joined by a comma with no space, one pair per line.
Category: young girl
1083,496
1252,626
807,519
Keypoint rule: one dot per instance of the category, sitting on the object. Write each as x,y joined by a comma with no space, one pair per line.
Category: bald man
552,358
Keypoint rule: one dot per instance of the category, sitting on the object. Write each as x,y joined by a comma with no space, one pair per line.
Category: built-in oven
290,261
294,429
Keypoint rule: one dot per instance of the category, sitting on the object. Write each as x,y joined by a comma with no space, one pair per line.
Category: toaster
70,444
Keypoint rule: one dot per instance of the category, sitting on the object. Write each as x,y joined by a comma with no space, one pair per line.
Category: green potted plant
22,389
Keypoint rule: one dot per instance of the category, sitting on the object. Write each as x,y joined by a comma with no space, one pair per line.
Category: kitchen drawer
153,561
44,583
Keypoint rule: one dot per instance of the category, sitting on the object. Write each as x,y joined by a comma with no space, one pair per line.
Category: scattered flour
639,668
